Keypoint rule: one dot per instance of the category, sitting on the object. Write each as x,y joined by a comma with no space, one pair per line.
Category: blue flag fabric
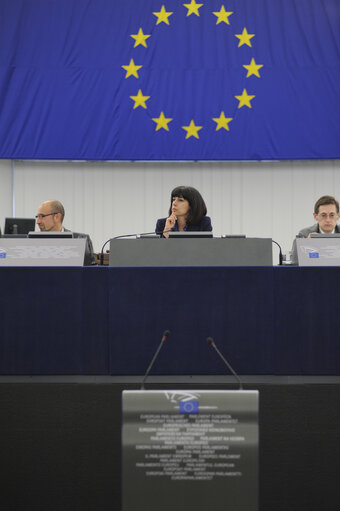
169,80
189,407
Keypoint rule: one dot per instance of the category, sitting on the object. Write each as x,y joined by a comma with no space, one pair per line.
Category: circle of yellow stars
244,99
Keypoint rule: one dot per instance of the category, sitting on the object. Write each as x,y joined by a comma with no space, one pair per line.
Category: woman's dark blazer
204,225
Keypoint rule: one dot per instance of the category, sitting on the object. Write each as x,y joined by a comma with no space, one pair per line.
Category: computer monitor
19,225
325,235
148,236
180,235
44,235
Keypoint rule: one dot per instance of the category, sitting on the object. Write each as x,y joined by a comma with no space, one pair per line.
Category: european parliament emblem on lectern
190,450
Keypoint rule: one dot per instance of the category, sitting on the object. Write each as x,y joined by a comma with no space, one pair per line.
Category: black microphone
136,235
166,334
280,252
211,343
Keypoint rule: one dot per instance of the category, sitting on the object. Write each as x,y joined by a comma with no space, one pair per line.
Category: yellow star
244,38
162,15
131,69
162,122
139,99
244,99
253,68
222,15
193,8
222,122
140,38
192,130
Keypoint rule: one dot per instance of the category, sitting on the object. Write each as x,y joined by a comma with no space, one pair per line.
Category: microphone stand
164,338
211,343
280,252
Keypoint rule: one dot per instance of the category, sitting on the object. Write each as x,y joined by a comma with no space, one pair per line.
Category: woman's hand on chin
169,224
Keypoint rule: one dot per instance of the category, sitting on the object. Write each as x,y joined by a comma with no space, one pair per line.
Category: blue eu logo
314,255
188,407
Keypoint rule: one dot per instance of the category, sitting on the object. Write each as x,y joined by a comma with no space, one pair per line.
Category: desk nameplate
36,252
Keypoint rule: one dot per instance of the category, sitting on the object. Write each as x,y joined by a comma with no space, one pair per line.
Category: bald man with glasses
326,214
50,217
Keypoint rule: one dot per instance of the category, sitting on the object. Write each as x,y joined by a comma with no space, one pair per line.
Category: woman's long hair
197,205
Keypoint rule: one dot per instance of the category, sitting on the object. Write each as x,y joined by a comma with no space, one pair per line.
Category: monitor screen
19,225
233,236
148,236
325,235
14,236
190,234
50,234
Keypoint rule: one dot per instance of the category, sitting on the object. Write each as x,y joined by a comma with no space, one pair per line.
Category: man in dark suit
326,213
50,218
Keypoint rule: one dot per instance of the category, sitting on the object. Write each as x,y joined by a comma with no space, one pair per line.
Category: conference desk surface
109,321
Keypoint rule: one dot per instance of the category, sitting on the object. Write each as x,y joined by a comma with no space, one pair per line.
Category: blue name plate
313,255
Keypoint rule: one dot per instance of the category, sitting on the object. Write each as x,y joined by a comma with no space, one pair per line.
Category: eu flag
170,79
190,407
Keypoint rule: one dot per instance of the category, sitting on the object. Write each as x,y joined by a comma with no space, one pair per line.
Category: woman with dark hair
187,212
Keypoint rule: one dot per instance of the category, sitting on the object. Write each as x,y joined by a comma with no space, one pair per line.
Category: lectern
191,252
190,450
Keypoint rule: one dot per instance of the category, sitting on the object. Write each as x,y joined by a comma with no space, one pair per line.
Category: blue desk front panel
233,305
53,321
307,315
101,320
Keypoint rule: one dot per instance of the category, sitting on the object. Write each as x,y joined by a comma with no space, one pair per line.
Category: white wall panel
269,199
5,191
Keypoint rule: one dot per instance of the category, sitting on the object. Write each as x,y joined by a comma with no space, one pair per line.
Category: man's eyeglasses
41,216
331,216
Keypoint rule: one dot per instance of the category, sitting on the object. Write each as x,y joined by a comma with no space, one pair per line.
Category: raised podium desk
153,251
